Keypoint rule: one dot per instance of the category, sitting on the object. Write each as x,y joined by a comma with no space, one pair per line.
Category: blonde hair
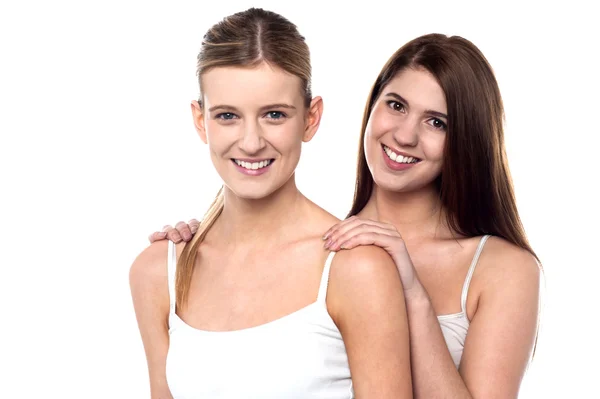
187,259
244,39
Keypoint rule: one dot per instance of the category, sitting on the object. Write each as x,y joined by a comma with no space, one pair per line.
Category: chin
253,191
252,194
400,184
393,186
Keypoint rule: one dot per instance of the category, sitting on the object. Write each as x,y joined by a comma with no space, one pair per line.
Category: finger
184,231
342,229
194,225
361,230
172,234
338,225
370,238
157,236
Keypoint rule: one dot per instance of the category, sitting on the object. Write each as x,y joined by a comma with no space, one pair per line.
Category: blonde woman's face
406,133
254,121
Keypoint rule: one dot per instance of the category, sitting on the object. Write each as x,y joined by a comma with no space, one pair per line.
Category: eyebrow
263,108
427,111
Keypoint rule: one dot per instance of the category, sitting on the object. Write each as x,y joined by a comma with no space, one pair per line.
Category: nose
252,140
407,134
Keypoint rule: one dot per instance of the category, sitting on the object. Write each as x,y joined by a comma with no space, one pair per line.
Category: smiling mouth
397,157
253,165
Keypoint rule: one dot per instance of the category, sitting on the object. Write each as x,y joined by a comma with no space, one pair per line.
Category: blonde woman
254,306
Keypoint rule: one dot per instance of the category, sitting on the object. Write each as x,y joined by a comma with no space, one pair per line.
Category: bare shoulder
363,276
507,267
150,266
507,275
363,264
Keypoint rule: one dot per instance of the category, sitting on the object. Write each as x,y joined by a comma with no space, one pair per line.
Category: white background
98,150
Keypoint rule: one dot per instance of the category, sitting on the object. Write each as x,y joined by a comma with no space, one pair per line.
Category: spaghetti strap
467,283
171,268
325,278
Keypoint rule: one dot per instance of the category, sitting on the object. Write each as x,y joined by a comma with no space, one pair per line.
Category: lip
397,166
251,160
253,172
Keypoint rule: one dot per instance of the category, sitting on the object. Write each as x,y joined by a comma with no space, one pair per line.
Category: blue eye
275,115
226,116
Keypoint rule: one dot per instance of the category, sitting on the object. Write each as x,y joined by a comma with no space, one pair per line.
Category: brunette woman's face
406,132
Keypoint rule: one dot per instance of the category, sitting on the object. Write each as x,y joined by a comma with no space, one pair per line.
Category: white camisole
455,326
300,355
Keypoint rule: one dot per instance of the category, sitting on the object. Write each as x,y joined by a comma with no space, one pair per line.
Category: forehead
246,86
420,88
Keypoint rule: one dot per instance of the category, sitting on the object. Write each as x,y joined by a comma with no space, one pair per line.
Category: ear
313,120
198,116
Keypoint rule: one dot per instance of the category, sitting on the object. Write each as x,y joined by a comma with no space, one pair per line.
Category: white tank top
455,326
300,355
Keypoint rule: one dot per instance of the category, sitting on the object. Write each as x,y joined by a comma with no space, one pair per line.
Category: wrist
417,298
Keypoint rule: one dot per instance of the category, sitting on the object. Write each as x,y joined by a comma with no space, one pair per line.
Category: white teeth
398,158
253,165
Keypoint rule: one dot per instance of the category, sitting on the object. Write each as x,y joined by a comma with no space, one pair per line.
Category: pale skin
404,217
274,264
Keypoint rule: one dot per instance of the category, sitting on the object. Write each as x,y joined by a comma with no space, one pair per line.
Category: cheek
376,128
370,145
380,122
434,147
286,138
219,137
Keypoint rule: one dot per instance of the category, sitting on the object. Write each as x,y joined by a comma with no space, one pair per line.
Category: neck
247,221
417,214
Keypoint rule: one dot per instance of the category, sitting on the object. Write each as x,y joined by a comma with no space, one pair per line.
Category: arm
502,330
500,338
366,301
150,294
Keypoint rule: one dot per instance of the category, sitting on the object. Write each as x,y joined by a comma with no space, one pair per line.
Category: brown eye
395,105
438,124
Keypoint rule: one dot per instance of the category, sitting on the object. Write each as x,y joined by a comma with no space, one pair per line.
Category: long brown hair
475,185
243,39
